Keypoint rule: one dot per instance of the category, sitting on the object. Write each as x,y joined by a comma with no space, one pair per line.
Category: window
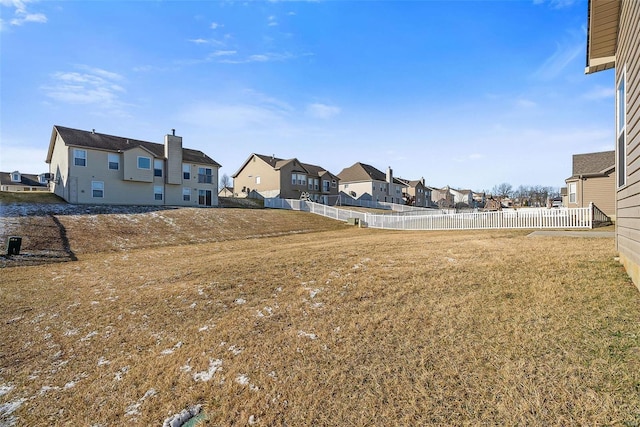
316,184
186,194
15,177
80,157
257,180
114,161
310,184
302,179
334,184
205,175
186,172
97,189
397,189
157,192
325,185
572,192
621,131
157,167
144,162
294,178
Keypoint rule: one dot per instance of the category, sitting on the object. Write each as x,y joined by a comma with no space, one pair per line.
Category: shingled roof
593,163
359,172
277,163
101,141
26,179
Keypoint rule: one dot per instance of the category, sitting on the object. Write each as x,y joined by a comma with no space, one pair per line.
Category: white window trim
155,192
573,186
144,157
117,161
160,163
186,169
97,186
78,151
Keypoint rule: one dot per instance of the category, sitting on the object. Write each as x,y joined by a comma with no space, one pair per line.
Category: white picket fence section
522,218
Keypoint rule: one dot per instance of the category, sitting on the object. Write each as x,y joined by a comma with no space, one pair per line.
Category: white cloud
215,25
322,111
21,14
92,86
525,103
567,50
272,21
262,57
555,4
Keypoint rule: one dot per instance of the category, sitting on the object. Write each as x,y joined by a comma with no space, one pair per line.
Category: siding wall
628,197
601,192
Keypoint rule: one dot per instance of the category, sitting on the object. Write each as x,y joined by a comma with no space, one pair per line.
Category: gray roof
101,141
277,163
27,179
359,172
593,163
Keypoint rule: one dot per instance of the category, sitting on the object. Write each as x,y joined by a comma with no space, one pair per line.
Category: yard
268,317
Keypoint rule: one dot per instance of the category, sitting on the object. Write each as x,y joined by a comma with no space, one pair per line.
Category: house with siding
88,167
442,197
365,182
417,193
613,41
16,181
593,181
263,176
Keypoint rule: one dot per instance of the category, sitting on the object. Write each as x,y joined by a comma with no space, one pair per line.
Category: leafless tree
225,181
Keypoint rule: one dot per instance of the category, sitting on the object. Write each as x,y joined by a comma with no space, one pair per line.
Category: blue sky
463,93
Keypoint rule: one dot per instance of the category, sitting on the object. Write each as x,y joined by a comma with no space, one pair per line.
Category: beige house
263,176
593,181
94,168
226,192
16,181
417,193
613,41
442,197
364,182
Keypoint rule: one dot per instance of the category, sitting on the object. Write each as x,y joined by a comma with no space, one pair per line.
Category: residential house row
88,167
613,41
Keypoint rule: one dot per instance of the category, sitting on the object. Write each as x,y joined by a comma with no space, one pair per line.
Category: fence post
590,214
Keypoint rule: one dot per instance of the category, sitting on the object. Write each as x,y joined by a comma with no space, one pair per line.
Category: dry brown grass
334,326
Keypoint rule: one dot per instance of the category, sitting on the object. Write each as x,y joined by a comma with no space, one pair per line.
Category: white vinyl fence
521,218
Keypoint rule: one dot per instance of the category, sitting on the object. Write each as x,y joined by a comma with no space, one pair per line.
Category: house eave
602,35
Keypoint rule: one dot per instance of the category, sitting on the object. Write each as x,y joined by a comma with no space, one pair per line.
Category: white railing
521,218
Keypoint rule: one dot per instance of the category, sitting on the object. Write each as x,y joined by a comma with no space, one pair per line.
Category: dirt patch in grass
341,326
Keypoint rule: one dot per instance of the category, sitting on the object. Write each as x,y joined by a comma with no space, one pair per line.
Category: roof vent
173,132
93,131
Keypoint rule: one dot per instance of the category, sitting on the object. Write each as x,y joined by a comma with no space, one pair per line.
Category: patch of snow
242,379
307,335
314,292
240,301
133,409
235,349
69,385
6,409
120,373
204,328
214,366
102,361
47,388
171,350
183,417
193,305
70,332
5,389
88,336
252,420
